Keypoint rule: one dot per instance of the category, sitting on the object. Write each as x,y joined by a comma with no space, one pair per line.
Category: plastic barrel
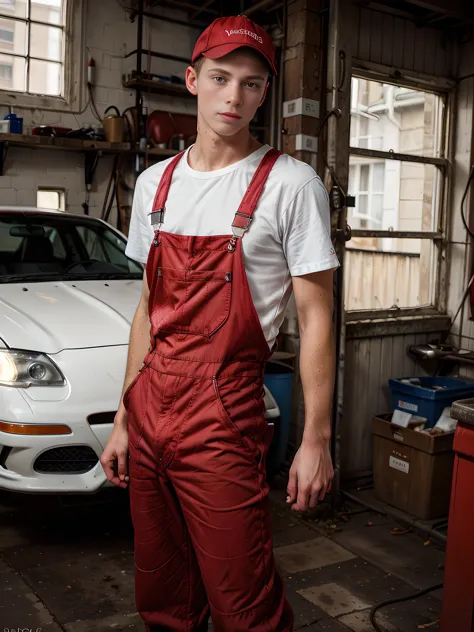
278,379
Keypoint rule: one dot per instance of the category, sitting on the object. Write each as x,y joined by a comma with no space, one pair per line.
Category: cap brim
224,49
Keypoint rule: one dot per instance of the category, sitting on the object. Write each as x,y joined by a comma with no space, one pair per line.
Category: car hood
49,317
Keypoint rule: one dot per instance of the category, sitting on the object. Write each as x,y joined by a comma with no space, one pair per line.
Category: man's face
229,90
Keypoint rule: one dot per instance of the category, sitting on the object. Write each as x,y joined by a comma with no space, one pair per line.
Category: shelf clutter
74,144
413,446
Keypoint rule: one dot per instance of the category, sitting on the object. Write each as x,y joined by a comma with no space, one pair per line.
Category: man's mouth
230,116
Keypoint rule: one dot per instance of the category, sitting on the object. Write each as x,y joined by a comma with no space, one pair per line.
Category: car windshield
42,246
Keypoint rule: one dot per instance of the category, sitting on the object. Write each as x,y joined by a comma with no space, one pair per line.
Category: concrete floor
67,565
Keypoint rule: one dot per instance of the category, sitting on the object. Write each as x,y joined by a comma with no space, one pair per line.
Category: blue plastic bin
278,379
425,402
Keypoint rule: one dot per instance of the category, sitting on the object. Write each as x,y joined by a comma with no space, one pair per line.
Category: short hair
198,64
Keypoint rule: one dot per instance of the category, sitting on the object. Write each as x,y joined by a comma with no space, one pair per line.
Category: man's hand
311,475
114,459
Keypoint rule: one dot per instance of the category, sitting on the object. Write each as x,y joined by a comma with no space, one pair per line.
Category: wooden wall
397,42
369,362
380,280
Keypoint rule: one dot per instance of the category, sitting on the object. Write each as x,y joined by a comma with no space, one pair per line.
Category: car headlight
22,369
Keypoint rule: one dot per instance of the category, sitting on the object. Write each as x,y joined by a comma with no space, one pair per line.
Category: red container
458,592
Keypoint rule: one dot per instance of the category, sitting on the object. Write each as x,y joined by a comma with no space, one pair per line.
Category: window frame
74,67
443,88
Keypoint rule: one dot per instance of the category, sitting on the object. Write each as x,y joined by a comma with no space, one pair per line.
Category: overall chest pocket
191,302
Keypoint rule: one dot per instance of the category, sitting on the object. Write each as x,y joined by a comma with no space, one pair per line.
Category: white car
68,295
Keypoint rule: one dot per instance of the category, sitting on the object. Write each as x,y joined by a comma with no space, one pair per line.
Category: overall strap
163,189
243,217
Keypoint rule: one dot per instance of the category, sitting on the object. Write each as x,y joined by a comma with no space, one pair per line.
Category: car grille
101,418
76,459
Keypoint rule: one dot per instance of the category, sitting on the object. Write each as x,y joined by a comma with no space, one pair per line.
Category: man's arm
312,471
114,458
138,347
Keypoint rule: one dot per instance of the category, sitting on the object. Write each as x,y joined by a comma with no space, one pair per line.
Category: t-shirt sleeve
138,246
306,231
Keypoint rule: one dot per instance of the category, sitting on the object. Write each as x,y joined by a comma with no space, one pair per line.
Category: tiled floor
70,568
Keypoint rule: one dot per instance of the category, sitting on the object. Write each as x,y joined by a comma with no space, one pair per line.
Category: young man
228,230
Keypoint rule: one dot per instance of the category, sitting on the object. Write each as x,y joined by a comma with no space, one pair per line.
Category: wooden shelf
88,147
165,153
64,144
158,87
74,144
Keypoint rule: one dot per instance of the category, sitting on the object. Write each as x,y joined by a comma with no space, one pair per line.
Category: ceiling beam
188,6
262,4
453,8
206,5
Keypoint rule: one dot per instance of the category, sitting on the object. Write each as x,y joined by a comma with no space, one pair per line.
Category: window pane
376,211
364,177
45,78
410,193
384,273
378,176
48,199
46,42
362,207
15,8
13,37
12,73
400,119
363,126
49,11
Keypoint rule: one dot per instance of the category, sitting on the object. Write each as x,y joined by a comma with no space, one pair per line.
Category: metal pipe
139,37
205,6
391,107
281,81
165,18
256,7
153,53
28,69
333,80
279,103
138,93
187,5
273,116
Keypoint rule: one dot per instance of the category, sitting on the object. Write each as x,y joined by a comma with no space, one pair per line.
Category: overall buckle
157,217
238,231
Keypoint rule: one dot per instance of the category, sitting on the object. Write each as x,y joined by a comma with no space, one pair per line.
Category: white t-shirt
289,235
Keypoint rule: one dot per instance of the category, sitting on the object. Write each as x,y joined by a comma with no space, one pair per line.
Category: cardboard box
412,470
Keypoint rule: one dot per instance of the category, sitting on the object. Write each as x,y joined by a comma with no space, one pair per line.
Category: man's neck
211,151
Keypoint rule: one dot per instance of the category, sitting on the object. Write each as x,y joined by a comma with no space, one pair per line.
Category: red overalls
198,438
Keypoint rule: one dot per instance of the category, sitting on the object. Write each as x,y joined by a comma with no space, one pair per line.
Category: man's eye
252,85
219,79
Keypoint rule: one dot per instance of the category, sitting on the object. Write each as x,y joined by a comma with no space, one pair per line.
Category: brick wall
109,35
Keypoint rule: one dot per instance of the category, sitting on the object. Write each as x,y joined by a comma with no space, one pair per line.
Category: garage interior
377,96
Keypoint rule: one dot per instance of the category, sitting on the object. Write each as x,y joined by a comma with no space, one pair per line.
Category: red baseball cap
227,34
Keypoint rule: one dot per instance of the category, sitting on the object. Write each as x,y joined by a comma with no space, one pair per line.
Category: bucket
114,126
278,379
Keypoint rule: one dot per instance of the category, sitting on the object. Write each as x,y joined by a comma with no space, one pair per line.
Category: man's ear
191,80
264,94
